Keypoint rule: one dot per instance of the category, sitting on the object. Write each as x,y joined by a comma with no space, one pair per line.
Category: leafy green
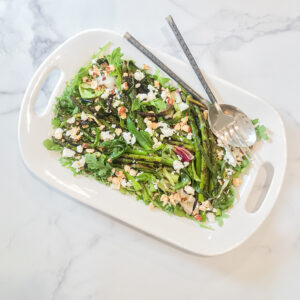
261,132
114,148
87,92
55,123
51,145
158,103
136,104
160,79
98,166
115,59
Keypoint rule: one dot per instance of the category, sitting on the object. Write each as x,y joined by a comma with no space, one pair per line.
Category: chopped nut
118,131
120,174
101,127
85,79
156,84
175,198
184,120
164,198
146,67
109,160
123,116
125,86
122,112
151,206
94,84
133,172
90,150
98,107
186,128
117,182
205,115
85,126
127,168
177,127
109,179
236,181
171,101
198,217
125,74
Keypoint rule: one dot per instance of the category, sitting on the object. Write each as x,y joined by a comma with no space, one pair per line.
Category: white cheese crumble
84,117
165,129
189,190
138,75
58,133
129,138
177,165
106,136
113,125
71,120
105,94
210,217
137,85
229,158
79,148
78,164
68,152
142,96
165,94
116,103
183,106
156,143
149,130
189,136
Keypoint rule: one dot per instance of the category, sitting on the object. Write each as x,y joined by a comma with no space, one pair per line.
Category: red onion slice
185,154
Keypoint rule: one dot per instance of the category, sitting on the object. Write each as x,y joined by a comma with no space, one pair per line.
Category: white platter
183,233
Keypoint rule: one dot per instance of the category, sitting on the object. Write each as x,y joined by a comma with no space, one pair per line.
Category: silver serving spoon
226,121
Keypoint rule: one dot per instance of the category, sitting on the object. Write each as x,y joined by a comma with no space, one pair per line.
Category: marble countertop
52,247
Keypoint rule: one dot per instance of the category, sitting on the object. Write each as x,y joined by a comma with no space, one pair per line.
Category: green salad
134,129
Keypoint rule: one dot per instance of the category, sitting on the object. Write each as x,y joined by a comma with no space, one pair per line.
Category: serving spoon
228,122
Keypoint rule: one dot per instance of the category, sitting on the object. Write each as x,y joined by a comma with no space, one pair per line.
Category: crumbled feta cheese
210,217
156,143
138,75
113,125
165,94
142,96
106,136
84,117
68,152
71,120
149,130
116,103
137,85
189,136
165,129
58,133
129,138
189,190
78,164
79,149
105,94
183,106
177,165
94,84
186,163
229,158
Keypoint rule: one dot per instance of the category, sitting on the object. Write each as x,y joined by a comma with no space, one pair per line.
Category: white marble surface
52,247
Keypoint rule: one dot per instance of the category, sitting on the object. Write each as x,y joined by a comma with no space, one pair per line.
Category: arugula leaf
114,148
158,103
50,145
98,166
136,104
255,121
101,51
261,132
55,123
88,92
115,59
160,79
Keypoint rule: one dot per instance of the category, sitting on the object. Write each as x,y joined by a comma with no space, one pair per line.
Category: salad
135,130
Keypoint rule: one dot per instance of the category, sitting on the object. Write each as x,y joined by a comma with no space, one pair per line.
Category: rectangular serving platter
180,232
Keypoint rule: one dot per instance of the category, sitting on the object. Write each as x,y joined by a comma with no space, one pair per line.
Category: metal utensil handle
191,59
162,66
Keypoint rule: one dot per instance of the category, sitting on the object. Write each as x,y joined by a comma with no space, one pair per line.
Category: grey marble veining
52,247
